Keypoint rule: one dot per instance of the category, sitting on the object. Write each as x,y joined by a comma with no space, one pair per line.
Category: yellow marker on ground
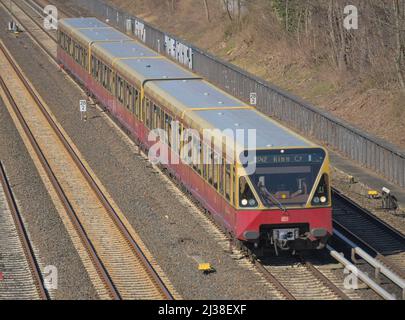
204,267
372,194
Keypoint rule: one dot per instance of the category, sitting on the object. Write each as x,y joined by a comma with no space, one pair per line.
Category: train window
133,99
125,96
233,185
129,99
200,154
210,166
81,56
221,178
85,59
148,113
137,103
108,79
97,69
112,81
228,181
93,66
120,90
196,153
189,149
246,196
156,116
117,86
169,129
64,41
100,72
162,119
105,76
206,158
215,170
178,138
122,93
71,48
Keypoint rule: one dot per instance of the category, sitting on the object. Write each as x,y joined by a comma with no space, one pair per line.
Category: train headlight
323,199
316,200
244,202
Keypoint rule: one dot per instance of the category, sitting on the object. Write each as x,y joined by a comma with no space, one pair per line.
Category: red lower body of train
244,225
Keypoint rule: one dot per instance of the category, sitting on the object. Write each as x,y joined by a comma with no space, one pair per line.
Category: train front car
285,202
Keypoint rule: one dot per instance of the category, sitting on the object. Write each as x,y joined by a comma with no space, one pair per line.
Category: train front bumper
300,228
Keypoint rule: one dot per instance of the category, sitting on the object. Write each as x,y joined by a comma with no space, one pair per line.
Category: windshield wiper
273,199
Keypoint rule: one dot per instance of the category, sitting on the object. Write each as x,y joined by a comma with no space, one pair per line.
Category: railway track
298,279
281,275
121,264
378,239
375,236
21,276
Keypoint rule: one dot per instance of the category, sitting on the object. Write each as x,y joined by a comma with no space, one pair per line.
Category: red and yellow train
284,201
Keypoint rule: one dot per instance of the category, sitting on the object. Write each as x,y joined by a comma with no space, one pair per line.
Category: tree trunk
226,4
399,45
332,33
207,10
286,14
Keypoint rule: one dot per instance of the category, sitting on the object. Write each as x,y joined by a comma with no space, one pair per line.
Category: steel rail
321,277
100,268
272,279
361,275
380,267
363,248
23,236
354,241
359,245
367,214
100,195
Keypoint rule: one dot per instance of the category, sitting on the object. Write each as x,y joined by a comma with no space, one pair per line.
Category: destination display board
292,157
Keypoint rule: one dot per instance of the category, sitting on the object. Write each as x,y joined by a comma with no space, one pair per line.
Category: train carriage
285,201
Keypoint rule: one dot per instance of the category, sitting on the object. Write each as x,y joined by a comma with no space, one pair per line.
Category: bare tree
400,49
207,10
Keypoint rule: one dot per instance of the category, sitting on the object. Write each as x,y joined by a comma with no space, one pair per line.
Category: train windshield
283,177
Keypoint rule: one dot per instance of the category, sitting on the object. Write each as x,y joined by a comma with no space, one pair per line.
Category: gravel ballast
46,230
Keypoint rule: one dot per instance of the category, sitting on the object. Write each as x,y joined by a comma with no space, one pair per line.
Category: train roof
182,96
77,23
111,51
139,70
101,32
199,103
269,133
